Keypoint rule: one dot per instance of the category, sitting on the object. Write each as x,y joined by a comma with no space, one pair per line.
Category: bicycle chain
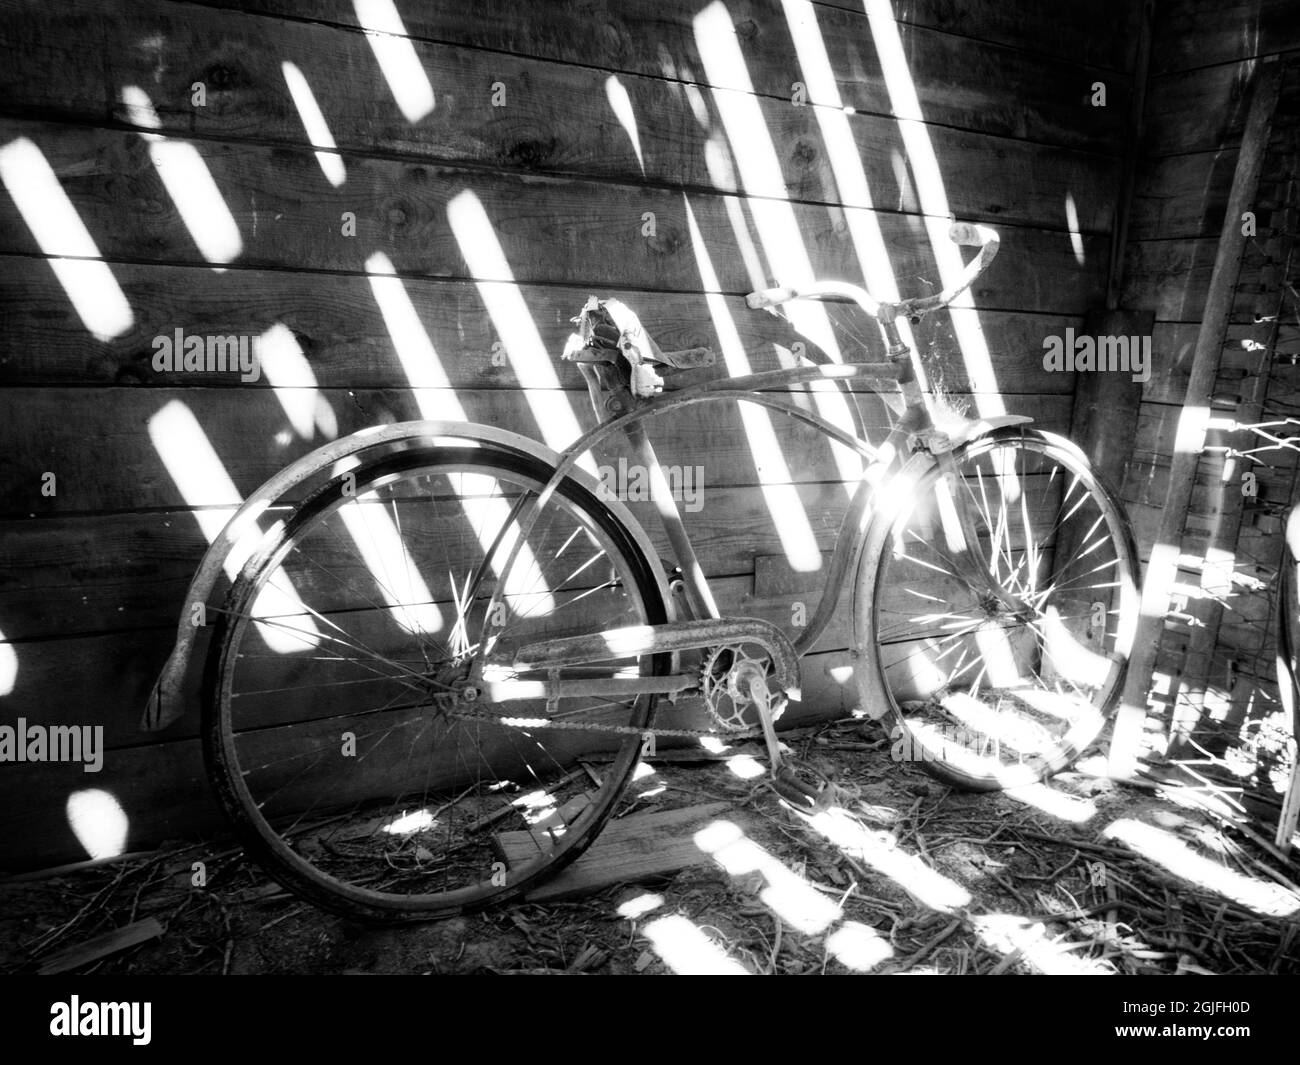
578,726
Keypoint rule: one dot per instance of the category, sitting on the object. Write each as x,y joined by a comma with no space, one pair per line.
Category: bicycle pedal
808,798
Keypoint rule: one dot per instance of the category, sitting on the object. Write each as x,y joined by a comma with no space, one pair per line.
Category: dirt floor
903,876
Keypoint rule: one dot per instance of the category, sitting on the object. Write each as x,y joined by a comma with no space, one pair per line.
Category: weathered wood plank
337,322
1184,196
163,789
626,851
104,680
1195,33
607,33
960,80
75,576
99,680
98,443
557,118
444,222
1205,109
100,946
1065,32
1172,277
1106,403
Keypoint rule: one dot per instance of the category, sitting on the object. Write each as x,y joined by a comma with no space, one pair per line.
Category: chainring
725,673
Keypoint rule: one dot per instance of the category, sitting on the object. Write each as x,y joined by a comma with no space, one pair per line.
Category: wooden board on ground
627,850
101,946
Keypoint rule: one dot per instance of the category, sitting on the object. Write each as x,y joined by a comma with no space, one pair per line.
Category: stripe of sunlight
686,950
480,497
621,104
290,374
385,555
782,498
778,230
188,182
98,821
1059,804
8,666
788,895
1072,222
396,57
842,150
514,322
745,766
1166,849
831,403
1012,935
864,226
851,182
58,231
791,897
858,946
313,121
906,107
207,489
880,850
368,523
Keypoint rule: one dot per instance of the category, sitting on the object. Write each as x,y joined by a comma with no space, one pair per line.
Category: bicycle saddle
608,328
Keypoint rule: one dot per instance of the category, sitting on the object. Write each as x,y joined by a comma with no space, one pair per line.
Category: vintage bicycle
436,635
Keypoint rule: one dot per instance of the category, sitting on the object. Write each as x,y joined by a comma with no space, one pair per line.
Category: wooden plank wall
1202,58
610,110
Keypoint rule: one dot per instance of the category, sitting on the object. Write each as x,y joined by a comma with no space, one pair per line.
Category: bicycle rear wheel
336,729
983,690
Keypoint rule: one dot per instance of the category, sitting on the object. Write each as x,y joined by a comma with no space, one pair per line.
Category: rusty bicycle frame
912,447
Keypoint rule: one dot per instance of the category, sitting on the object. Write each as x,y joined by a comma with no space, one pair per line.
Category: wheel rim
1005,690
339,746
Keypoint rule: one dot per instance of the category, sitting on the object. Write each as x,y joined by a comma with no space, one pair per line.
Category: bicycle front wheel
996,664
338,731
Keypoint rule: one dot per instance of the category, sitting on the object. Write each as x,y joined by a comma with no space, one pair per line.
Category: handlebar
965,233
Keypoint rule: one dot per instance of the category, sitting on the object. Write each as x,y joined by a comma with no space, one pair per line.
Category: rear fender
240,536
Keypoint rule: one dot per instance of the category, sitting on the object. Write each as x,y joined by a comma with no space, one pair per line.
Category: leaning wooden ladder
1185,635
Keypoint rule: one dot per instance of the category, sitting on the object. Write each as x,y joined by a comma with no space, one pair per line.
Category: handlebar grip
971,235
768,297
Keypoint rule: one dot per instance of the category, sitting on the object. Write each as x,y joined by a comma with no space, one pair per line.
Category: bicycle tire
309,862
984,697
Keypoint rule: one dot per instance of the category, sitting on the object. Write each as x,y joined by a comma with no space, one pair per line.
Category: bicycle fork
958,525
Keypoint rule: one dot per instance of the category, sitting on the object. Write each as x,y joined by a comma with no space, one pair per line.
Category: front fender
903,482
239,537
982,426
